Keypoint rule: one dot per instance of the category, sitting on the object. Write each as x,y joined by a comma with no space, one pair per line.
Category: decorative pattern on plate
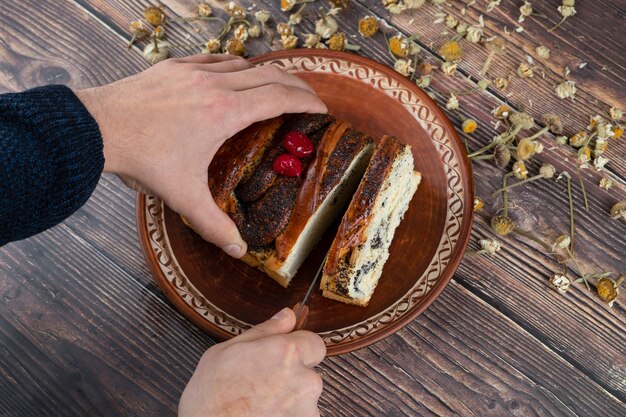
429,279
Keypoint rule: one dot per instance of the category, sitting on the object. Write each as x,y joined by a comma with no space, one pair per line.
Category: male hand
162,127
265,371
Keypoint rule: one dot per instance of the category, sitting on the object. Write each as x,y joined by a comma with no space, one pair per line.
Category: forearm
51,157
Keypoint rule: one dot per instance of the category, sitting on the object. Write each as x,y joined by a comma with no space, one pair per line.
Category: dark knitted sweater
51,157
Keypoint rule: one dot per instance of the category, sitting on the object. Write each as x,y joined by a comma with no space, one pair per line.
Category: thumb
213,224
281,323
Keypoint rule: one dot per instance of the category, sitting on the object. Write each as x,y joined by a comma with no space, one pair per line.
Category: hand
162,127
265,371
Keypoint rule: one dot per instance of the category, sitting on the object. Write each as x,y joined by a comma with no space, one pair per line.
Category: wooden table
85,332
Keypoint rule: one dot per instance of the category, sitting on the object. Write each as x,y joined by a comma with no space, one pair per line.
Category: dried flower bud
501,83
547,171
399,46
619,211
453,103
604,129
522,120
519,170
451,21
489,246
538,147
501,155
560,282
618,131
561,140
241,33
138,29
451,51
235,46
483,84
235,11
474,34
289,41
461,28
158,32
255,31
608,289
204,10
566,89
154,15
478,204
578,139
448,67
525,10
337,42
525,149
616,113
423,81
326,27
553,122
606,183
295,19
312,40
212,46
584,155
414,4
600,162
502,225
262,16
567,11
562,242
284,29
156,51
469,125
524,70
403,66
368,26
543,52
287,5
501,112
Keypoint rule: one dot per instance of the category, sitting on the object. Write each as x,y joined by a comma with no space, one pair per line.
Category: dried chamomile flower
138,30
423,81
606,183
483,84
204,10
489,246
453,102
212,46
599,162
158,32
451,51
287,5
562,242
448,68
543,52
474,34
241,33
368,26
525,149
524,70
525,10
492,4
519,170
502,225
234,46
425,68
567,10
461,28
284,29
451,21
608,289
546,171
600,147
560,283
578,139
339,42
566,89
235,11
154,15
584,155
618,131
478,204
561,140
313,40
399,46
495,46
289,41
501,155
326,26
619,211
469,125
262,16
501,112
616,113
522,120
604,130
255,31
553,123
403,66
501,83
414,4
414,48
156,51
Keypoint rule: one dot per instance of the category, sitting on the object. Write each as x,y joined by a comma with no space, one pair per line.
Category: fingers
311,347
272,100
260,76
212,223
206,58
281,323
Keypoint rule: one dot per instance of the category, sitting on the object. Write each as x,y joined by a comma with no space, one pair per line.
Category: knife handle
301,318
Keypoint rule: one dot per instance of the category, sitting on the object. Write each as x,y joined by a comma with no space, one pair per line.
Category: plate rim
466,176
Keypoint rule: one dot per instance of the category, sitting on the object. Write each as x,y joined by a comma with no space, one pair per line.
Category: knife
301,309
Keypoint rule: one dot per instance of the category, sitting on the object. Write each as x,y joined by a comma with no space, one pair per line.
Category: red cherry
298,144
288,165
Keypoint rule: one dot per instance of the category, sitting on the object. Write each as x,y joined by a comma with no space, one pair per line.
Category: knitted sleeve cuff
51,157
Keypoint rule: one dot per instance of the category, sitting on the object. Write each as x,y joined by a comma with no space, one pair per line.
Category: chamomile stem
481,157
582,186
571,216
156,44
518,183
580,271
350,47
194,18
536,135
532,237
485,67
557,25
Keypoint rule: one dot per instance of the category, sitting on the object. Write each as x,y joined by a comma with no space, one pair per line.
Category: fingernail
280,315
233,250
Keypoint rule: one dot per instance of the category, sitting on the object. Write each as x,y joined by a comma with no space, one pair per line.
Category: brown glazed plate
224,296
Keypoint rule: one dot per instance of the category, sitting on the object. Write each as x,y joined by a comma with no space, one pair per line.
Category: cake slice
361,247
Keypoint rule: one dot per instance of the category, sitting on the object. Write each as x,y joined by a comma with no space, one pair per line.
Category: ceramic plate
224,296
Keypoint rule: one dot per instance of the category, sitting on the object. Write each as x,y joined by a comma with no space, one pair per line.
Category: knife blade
301,309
